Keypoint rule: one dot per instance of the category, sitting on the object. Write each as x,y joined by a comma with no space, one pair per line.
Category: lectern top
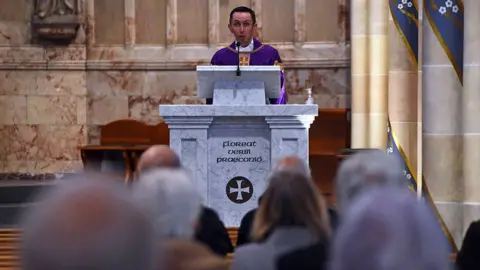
207,76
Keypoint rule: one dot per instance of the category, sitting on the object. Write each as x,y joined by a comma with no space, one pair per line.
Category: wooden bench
10,252
128,138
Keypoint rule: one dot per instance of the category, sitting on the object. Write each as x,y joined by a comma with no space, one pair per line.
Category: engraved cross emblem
244,60
239,190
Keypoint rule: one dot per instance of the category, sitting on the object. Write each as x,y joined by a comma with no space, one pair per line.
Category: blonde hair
291,199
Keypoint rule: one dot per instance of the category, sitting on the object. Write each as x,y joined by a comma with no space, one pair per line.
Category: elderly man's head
87,224
388,228
171,198
366,170
292,163
158,156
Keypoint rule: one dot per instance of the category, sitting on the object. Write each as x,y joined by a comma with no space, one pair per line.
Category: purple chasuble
262,55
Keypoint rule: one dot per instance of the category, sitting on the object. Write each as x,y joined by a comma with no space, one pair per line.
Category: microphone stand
238,52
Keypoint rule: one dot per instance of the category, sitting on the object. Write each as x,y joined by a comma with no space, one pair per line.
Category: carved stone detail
58,19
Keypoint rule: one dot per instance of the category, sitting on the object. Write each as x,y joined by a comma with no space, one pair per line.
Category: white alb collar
249,48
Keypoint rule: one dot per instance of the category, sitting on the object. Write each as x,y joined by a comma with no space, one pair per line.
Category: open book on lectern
207,76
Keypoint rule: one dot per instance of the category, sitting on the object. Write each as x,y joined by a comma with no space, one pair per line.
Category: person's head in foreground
158,156
366,170
291,200
389,229
292,163
242,25
86,223
171,198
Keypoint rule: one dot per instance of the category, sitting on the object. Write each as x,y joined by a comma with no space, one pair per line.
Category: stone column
471,112
442,131
378,73
359,66
403,94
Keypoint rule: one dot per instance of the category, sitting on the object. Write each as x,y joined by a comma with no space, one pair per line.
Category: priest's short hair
171,198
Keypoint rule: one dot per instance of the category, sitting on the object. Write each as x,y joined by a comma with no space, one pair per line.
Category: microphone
238,52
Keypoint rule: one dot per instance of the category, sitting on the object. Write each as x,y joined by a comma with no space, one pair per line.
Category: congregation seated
364,171
387,228
285,223
87,222
211,231
291,163
169,196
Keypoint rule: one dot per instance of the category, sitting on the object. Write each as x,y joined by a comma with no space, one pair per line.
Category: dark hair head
243,9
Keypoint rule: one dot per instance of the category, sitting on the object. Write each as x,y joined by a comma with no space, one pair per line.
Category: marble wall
135,57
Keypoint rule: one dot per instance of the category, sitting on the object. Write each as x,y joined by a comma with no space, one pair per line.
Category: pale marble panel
71,53
226,162
323,101
192,144
150,21
114,83
13,110
105,109
322,19
151,104
170,84
60,83
22,57
18,142
255,110
14,33
14,10
59,142
226,7
278,23
328,81
109,22
243,93
192,21
135,107
52,110
54,166
82,107
26,82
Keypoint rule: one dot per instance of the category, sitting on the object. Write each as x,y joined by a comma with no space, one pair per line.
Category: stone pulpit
230,147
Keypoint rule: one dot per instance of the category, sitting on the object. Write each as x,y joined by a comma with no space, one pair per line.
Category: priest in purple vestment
252,52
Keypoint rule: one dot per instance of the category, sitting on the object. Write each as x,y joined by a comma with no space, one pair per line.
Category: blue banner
405,17
394,148
446,20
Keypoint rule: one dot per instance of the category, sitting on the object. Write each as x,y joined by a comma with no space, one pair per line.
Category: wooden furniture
127,138
329,133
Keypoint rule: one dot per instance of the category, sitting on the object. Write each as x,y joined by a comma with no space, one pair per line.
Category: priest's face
242,27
